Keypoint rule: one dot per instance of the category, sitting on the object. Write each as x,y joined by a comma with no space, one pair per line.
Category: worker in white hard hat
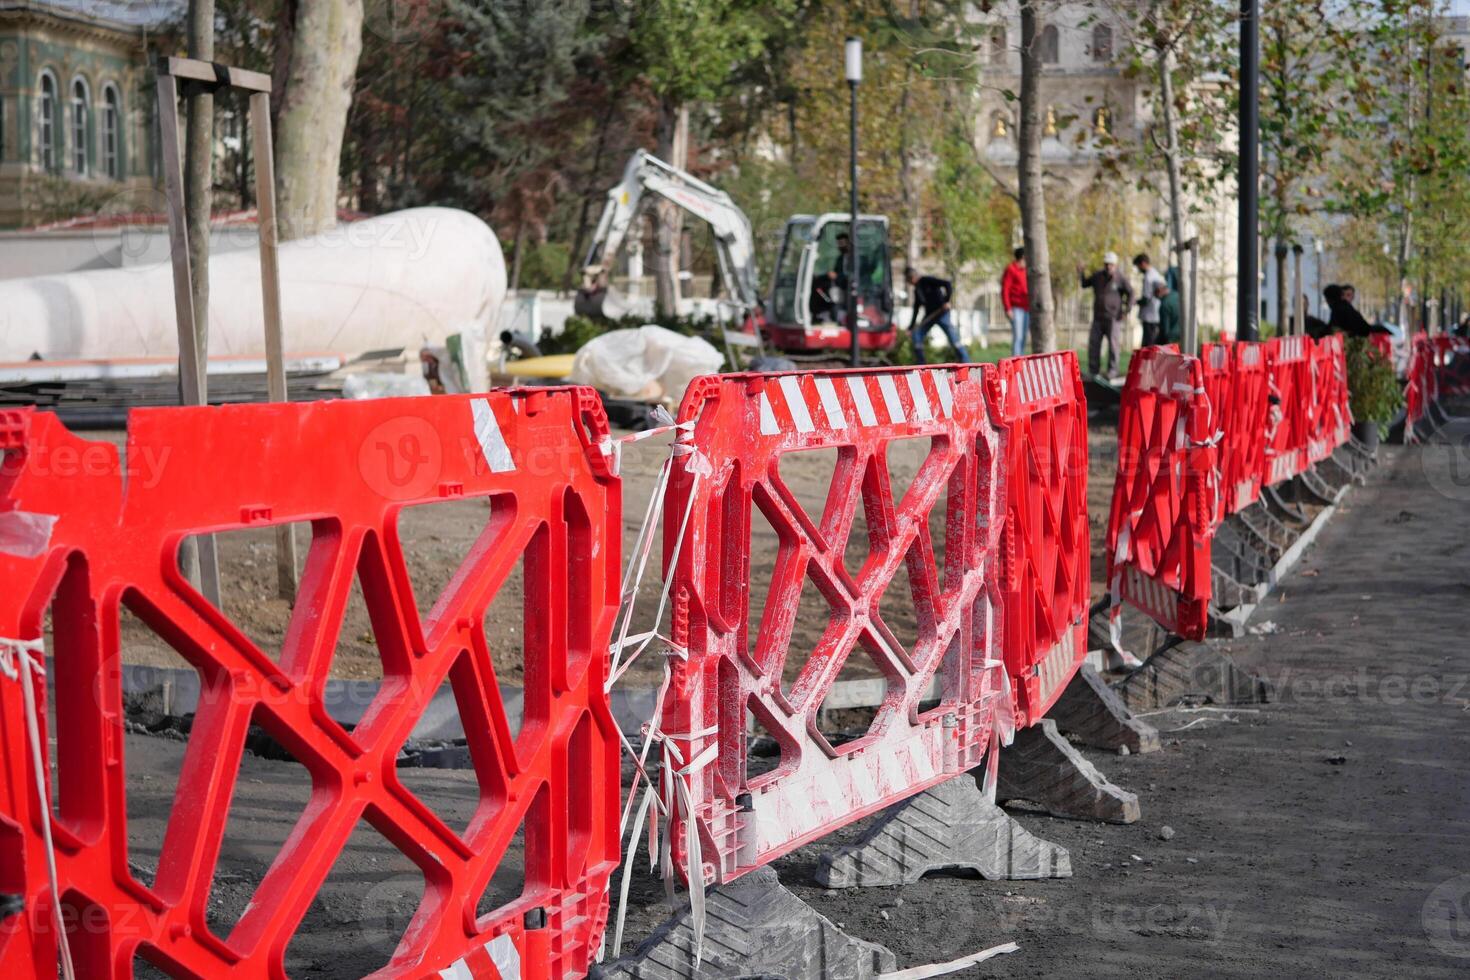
1112,297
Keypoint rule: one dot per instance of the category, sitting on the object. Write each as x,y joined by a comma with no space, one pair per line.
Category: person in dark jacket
932,294
1112,297
1170,316
1345,317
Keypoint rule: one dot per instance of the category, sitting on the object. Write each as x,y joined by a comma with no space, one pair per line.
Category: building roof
124,14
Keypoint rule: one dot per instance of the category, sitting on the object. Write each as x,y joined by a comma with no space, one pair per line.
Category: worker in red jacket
1015,297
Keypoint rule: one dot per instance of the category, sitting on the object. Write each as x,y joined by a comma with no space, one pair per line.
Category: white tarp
648,363
408,279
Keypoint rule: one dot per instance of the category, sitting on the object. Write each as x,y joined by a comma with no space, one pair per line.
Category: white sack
647,363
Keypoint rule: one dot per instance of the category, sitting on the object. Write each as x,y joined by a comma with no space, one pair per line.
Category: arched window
1000,126
111,132
1102,42
1049,127
1102,121
1051,45
50,123
81,109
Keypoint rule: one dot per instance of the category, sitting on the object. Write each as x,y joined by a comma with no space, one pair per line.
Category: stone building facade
77,130
1089,103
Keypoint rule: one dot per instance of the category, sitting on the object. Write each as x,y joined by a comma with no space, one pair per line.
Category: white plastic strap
20,659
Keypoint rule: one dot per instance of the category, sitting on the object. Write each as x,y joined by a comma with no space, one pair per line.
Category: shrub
1373,390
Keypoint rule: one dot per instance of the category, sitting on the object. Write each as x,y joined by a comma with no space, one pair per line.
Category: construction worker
1015,298
1148,306
825,296
932,294
1112,296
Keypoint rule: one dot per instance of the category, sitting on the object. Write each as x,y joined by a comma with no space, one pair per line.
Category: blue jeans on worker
943,322
1018,330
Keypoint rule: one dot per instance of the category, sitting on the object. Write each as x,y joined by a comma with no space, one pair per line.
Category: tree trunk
673,145
324,38
584,213
199,180
518,252
1176,180
1280,252
1033,199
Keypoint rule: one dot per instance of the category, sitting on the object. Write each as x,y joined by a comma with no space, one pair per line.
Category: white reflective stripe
857,386
487,434
830,404
921,400
502,953
946,396
796,403
768,417
1028,393
890,397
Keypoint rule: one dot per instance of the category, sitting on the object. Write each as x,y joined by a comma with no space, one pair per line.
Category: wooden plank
203,71
200,562
270,288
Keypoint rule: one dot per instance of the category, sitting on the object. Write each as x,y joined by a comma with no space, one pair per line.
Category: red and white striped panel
1040,379
1057,667
1291,349
1245,493
1169,376
1284,467
1218,357
1150,595
806,403
496,960
1250,355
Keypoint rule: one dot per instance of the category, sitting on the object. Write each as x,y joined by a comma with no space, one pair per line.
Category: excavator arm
645,173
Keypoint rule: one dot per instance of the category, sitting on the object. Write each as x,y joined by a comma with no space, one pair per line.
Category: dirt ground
1322,834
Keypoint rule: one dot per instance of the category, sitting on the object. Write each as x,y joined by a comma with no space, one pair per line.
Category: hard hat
1110,258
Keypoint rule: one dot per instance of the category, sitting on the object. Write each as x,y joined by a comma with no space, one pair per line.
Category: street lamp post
854,59
1320,260
1248,287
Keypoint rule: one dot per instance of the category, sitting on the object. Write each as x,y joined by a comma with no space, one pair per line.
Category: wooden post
213,77
270,289
197,556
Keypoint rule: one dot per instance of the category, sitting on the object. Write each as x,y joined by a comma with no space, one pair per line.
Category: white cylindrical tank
408,279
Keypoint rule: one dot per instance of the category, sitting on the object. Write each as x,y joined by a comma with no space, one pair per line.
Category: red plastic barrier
1047,541
1450,362
743,425
1247,419
1162,523
1383,343
1422,388
350,468
1291,400
1217,363
1330,414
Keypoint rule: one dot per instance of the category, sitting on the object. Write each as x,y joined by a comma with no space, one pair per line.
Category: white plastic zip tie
674,792
953,966
20,659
